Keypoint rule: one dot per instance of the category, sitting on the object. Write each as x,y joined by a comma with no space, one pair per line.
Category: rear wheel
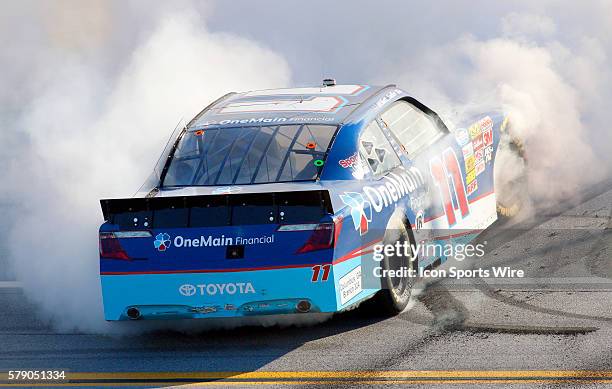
396,291
510,174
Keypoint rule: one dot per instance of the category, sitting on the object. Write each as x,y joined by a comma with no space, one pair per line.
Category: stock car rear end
218,255
269,202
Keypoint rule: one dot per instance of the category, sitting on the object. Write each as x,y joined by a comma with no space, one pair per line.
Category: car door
449,169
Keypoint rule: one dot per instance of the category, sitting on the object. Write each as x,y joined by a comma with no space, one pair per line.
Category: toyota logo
187,290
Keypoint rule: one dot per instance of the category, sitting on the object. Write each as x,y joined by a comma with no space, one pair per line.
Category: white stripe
549,280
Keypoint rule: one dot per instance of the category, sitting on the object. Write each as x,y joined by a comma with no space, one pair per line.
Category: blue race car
272,202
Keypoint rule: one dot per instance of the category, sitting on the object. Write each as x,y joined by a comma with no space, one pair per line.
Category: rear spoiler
218,210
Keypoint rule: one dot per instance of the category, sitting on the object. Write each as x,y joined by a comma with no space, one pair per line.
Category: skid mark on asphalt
509,300
597,262
451,315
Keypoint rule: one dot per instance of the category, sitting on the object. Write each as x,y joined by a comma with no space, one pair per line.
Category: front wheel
510,174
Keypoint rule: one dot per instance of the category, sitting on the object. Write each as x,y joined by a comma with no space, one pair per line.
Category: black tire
510,174
395,291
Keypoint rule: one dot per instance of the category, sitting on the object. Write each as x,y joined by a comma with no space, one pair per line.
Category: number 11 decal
444,175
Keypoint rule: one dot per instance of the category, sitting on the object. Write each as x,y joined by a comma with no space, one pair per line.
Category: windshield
249,155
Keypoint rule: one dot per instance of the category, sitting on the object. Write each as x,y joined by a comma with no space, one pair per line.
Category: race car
272,202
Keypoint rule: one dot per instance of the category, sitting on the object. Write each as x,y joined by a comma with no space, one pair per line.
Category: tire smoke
92,91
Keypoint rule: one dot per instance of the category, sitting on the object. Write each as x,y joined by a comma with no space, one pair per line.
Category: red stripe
355,253
359,88
481,196
446,237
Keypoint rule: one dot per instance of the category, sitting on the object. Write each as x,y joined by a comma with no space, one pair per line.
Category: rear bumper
224,294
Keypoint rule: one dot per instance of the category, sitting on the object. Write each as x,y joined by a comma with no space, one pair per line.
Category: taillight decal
110,247
322,238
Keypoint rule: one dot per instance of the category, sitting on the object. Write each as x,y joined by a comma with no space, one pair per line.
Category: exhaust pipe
133,313
303,306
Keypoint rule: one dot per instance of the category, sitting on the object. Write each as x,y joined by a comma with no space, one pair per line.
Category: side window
413,128
375,148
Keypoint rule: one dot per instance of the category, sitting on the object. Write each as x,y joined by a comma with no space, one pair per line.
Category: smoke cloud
92,91
91,136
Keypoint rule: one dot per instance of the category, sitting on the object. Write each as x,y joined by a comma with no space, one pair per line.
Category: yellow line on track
314,382
397,377
339,374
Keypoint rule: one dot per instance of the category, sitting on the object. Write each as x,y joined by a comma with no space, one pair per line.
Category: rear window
250,155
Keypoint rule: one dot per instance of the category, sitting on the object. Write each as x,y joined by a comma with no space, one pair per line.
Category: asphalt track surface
552,329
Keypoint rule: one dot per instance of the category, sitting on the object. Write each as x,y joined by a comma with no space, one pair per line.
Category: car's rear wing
218,210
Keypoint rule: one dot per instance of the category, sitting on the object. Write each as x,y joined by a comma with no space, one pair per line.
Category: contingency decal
477,152
350,285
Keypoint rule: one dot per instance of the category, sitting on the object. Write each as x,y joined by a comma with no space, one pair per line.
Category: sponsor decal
486,124
472,187
480,167
469,163
230,307
488,154
377,198
474,131
220,240
230,288
187,290
349,162
462,136
262,120
350,285
481,126
479,155
311,119
162,241
481,134
259,120
470,176
467,150
227,190
477,143
487,137
361,212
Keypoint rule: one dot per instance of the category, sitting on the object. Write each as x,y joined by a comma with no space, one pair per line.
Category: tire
510,174
395,291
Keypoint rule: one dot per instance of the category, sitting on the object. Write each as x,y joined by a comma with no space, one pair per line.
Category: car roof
312,105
